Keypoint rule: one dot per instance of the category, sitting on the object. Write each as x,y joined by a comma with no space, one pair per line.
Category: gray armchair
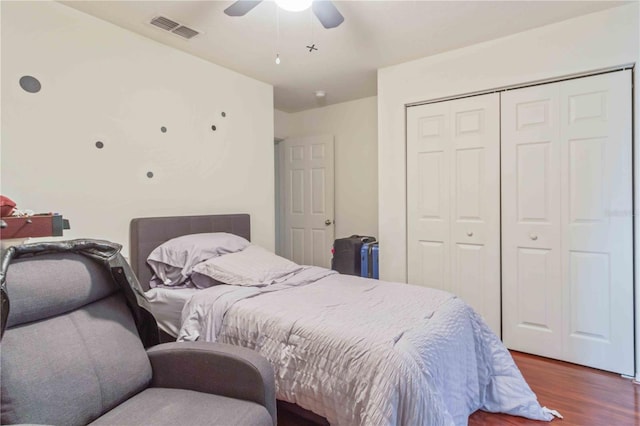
72,354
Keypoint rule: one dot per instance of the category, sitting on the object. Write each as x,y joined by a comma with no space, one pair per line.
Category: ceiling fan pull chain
311,16
277,36
312,45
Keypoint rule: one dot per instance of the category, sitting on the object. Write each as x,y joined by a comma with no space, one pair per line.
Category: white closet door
453,184
428,224
598,221
567,224
531,229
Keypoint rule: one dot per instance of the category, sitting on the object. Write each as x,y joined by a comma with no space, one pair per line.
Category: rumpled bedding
366,352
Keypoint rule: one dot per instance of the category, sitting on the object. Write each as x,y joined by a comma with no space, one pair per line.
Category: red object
44,225
7,205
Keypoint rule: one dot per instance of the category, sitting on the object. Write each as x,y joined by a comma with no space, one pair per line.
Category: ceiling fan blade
241,7
327,13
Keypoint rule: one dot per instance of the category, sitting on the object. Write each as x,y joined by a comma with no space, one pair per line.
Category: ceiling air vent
185,32
164,23
174,27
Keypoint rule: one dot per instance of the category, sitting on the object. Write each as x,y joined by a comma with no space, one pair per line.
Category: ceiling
375,34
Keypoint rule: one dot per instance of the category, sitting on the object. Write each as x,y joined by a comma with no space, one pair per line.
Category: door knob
533,237
328,222
469,233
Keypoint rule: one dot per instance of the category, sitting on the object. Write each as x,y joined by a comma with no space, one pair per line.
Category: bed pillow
253,266
173,261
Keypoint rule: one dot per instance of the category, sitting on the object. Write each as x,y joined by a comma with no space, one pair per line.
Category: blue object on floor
369,260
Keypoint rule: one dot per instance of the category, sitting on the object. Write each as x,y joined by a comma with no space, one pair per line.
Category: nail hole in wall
163,129
99,145
30,84
149,175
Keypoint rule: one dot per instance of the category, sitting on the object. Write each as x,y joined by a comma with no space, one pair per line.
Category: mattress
166,306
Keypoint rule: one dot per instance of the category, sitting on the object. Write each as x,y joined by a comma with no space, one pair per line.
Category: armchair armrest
215,368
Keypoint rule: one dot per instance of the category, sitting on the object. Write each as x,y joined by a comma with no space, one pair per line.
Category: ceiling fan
325,10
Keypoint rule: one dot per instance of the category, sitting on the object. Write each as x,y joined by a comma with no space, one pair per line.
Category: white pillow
253,266
172,261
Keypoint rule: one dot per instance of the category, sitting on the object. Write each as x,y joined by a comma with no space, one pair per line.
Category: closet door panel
531,241
475,201
598,299
453,198
428,141
470,258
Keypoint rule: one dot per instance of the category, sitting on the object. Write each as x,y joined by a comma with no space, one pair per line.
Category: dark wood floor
584,396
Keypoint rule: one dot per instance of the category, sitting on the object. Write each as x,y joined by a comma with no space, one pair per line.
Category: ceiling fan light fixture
294,5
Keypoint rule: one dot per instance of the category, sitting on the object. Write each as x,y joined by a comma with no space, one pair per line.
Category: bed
355,351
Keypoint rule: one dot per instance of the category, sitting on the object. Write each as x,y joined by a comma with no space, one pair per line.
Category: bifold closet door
567,226
453,200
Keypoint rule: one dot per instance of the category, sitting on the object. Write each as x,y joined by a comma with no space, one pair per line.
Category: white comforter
367,352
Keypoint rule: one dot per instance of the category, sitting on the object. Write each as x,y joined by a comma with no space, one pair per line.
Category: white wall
282,124
354,127
100,82
591,42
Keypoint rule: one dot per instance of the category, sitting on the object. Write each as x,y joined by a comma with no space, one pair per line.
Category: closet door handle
469,234
533,237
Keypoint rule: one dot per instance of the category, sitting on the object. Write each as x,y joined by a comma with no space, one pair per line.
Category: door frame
277,195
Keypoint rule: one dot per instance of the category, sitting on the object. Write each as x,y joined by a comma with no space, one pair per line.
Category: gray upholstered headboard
147,233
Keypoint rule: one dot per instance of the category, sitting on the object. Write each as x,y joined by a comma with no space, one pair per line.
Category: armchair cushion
216,368
41,293
67,361
170,407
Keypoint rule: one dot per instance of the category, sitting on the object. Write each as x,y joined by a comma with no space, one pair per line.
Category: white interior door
307,188
567,221
531,228
428,193
453,200
596,149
